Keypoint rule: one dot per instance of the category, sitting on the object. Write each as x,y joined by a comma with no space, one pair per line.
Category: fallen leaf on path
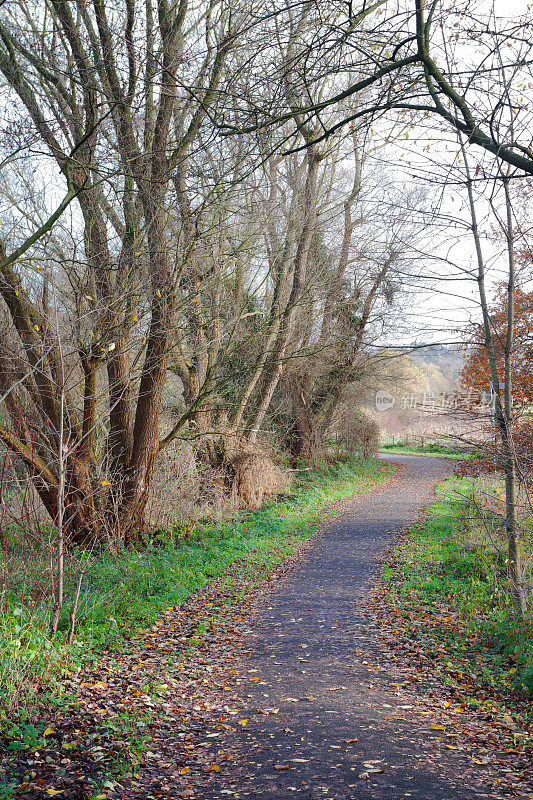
98,685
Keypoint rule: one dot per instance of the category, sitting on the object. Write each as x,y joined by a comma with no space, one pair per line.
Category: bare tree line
185,251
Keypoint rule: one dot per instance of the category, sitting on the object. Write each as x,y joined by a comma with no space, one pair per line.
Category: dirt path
342,730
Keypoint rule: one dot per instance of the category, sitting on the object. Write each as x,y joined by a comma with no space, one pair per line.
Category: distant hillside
423,372
446,360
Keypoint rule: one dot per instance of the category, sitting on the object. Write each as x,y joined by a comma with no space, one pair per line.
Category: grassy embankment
431,449
123,592
448,584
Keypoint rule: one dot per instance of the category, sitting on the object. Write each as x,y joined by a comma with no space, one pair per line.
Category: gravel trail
339,731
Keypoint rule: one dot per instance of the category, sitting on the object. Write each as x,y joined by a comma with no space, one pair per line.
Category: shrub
356,432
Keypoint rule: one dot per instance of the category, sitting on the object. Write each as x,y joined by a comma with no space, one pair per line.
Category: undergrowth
123,592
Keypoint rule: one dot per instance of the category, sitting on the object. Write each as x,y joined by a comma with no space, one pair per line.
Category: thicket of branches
249,273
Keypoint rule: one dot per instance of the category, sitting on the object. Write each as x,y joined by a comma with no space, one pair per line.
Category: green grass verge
454,595
138,585
440,450
126,592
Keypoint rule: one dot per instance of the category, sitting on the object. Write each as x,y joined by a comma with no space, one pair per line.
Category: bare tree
67,67
399,58
502,384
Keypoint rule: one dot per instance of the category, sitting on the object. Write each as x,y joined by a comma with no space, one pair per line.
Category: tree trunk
292,307
503,411
301,434
138,472
516,573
